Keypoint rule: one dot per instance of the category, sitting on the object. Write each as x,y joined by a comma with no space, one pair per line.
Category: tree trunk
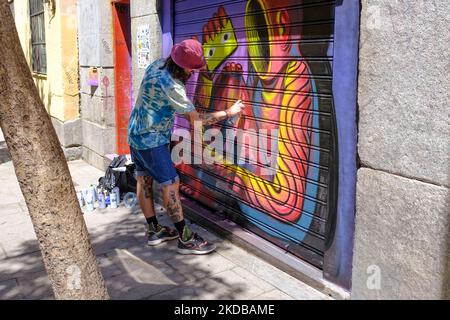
44,176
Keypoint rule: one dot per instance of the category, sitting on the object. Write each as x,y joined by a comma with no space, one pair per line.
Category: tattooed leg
145,195
148,191
172,202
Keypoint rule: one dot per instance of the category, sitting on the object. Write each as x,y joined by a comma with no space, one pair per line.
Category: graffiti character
219,42
280,88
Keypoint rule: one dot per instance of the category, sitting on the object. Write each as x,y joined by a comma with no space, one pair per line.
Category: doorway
122,71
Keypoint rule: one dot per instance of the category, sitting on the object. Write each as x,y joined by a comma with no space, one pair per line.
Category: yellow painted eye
226,36
210,52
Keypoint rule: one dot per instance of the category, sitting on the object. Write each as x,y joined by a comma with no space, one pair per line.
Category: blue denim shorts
155,162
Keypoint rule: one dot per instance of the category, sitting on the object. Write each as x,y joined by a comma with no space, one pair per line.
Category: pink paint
105,81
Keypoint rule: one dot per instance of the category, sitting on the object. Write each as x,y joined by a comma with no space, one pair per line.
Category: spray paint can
93,191
99,190
107,199
116,190
113,200
89,202
84,192
101,200
80,198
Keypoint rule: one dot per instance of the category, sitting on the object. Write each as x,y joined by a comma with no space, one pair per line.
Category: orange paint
122,71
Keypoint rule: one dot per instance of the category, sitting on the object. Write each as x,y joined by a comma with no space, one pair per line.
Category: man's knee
140,179
171,187
144,179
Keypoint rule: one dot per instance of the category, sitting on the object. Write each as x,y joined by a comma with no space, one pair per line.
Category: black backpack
124,180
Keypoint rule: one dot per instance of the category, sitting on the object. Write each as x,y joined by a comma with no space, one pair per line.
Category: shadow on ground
131,269
4,153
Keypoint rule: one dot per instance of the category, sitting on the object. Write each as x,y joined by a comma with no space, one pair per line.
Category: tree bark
44,176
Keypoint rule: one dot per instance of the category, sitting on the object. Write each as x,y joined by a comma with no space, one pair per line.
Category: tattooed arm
214,117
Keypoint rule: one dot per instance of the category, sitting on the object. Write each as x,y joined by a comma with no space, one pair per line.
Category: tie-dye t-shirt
160,97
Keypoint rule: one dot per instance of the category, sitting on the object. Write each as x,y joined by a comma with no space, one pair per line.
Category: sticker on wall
92,79
143,46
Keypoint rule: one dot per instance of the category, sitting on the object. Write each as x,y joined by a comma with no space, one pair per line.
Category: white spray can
101,200
113,200
116,190
89,202
93,191
80,198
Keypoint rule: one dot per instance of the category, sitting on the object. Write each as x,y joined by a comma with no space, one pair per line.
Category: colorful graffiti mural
275,56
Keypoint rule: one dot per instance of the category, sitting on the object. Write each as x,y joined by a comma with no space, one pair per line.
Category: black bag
123,179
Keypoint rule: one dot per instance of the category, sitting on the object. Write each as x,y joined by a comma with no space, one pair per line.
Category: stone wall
58,87
145,13
97,102
402,241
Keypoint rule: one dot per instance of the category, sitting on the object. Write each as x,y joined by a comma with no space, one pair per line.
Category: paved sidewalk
130,268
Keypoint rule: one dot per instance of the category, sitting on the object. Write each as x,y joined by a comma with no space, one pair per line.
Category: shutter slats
286,78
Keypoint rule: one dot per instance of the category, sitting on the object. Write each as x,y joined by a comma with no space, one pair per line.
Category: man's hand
235,109
214,117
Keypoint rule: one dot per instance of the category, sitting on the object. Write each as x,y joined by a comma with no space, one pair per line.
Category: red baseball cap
188,54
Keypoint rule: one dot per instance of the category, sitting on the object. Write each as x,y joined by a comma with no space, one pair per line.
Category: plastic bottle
130,200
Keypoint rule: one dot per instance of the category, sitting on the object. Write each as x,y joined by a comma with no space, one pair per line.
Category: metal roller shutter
277,56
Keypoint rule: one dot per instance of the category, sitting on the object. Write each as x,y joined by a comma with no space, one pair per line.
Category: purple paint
338,259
